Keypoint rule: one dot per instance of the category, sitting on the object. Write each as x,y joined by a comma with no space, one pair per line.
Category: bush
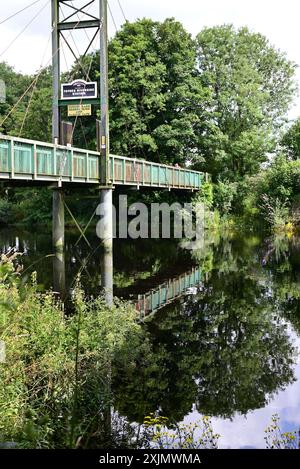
33,206
55,382
275,212
5,211
274,193
224,195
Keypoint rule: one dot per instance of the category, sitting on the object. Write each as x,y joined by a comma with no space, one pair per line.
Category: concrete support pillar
58,220
59,275
107,242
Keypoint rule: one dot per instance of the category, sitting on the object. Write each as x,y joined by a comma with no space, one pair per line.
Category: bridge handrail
153,163
173,176
47,144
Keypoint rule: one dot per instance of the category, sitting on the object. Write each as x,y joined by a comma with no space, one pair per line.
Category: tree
153,83
251,87
32,116
38,122
291,141
15,85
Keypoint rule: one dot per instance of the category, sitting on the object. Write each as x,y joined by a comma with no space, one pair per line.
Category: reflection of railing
27,159
167,292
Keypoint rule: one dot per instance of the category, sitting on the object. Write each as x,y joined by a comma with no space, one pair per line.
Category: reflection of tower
59,274
106,263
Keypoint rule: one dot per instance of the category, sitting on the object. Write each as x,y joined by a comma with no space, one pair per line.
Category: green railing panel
4,156
23,158
93,167
163,295
79,165
128,171
163,176
147,173
114,168
45,161
155,175
155,300
182,178
63,162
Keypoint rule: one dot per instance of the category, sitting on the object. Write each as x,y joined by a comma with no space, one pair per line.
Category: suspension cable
112,17
33,89
24,29
33,81
87,75
18,12
119,2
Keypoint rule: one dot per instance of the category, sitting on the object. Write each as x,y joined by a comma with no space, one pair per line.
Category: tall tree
153,83
251,87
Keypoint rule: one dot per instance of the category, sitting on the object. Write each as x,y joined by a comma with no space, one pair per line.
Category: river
223,323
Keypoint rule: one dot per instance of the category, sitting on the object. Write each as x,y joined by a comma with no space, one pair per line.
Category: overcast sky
276,19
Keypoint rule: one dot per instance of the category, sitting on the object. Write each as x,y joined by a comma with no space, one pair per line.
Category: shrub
224,194
274,193
55,382
5,211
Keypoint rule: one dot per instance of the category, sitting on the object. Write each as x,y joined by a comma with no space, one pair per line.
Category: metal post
104,126
55,71
58,220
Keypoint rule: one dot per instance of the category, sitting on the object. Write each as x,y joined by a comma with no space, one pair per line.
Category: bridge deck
22,159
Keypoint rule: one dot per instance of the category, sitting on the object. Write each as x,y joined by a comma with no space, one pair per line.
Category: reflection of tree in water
283,267
223,349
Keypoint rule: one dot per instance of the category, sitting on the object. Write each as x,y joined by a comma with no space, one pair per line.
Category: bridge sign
79,89
75,110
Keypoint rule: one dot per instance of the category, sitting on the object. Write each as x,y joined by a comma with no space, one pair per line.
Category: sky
278,20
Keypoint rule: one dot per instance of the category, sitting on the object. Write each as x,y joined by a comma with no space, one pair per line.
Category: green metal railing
33,160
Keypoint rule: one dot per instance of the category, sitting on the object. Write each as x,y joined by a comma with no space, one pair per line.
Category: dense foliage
250,89
55,380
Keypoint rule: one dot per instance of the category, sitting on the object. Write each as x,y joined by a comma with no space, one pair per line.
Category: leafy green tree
153,86
291,141
38,122
251,87
15,84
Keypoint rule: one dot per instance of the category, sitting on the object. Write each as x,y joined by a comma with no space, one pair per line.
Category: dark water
224,329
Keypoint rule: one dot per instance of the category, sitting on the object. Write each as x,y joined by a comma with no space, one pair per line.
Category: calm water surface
224,329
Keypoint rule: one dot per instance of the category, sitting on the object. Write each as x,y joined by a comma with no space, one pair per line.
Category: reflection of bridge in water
167,292
146,303
148,295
